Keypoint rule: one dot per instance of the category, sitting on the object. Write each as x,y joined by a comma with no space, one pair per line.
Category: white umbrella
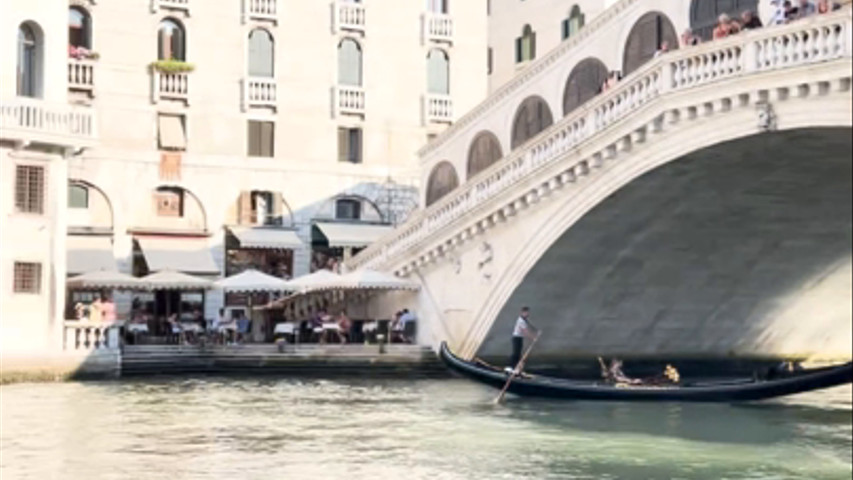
366,279
104,279
171,280
252,281
319,280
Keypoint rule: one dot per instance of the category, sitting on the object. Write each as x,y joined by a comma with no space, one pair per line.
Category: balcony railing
32,120
170,86
259,92
81,75
438,108
437,27
260,10
86,337
804,43
349,100
348,16
184,5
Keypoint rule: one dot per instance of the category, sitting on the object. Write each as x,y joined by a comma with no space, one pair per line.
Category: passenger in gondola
618,376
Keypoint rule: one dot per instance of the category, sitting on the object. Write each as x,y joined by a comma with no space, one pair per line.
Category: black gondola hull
743,391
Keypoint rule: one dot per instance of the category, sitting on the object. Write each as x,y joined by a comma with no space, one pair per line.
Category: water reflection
447,429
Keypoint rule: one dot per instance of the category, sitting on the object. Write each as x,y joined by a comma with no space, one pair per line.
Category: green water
217,428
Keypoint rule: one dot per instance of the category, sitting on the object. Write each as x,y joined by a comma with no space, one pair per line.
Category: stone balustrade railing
349,16
260,9
170,86
259,92
438,27
184,5
81,75
349,100
29,119
809,41
438,108
85,337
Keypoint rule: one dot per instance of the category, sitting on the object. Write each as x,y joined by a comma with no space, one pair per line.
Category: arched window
584,82
438,72
573,23
442,180
261,53
646,37
79,28
704,13
171,41
485,150
525,45
532,116
78,196
349,63
29,60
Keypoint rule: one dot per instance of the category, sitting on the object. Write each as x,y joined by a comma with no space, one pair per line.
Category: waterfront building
210,136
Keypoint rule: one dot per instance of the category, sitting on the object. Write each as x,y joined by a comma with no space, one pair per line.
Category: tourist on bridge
825,6
725,27
523,328
750,20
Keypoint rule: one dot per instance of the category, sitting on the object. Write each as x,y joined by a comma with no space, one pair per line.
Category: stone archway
646,37
442,180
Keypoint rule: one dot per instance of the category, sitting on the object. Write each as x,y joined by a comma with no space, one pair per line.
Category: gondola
717,391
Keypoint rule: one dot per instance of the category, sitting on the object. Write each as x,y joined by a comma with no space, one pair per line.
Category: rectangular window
171,131
348,210
349,145
29,189
27,277
261,139
489,61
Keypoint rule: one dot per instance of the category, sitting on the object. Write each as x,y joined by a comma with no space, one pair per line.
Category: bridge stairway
402,361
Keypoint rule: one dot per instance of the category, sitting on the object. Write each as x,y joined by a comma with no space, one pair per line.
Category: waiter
523,328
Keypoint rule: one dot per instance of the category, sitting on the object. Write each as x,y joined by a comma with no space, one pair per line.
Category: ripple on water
449,429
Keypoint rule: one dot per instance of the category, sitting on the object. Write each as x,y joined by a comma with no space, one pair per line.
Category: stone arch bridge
700,207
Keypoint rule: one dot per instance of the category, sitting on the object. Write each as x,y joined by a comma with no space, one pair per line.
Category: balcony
170,86
348,16
438,109
263,10
259,92
81,76
349,100
30,120
437,27
181,5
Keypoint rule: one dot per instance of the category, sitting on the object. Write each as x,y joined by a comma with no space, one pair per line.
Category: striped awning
180,254
87,253
269,238
352,234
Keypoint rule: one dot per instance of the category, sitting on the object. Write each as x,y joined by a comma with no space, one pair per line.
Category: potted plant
171,66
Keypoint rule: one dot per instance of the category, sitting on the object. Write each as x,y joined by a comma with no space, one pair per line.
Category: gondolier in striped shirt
523,328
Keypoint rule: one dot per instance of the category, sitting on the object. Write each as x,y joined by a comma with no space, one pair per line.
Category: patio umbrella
319,280
104,279
252,281
171,280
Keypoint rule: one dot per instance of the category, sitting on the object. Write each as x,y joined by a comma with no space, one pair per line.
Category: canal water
218,428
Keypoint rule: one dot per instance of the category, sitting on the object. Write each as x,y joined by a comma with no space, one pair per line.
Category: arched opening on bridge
532,116
442,180
739,249
584,83
485,150
704,13
646,38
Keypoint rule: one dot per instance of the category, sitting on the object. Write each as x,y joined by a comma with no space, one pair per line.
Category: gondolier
523,328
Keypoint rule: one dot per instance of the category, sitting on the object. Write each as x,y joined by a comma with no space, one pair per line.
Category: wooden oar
519,368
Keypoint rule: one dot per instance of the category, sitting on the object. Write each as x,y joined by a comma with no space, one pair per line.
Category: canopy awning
87,253
172,280
188,255
366,279
270,238
104,279
352,234
252,281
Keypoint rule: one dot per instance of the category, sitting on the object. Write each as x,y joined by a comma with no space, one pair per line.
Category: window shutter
343,144
532,45
566,28
267,139
518,54
244,208
355,147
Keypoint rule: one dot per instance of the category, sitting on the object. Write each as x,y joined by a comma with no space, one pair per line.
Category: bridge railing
809,41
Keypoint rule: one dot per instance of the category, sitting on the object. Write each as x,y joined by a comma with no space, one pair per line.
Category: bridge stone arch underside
592,312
